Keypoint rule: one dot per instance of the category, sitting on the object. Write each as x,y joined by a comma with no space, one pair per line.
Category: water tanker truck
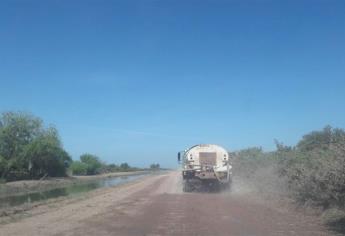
205,166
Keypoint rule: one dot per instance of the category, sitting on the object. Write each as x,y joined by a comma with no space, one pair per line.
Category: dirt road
157,206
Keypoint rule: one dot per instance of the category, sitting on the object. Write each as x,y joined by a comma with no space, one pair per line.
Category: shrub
3,166
247,161
92,162
155,166
78,168
315,168
28,149
46,158
124,167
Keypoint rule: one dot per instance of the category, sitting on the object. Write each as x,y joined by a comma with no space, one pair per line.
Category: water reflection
66,191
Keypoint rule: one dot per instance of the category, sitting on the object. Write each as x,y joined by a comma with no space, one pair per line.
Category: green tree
16,131
93,163
323,139
28,149
44,156
154,166
315,168
113,166
3,166
124,166
79,168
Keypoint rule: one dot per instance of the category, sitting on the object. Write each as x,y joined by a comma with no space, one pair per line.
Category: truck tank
205,166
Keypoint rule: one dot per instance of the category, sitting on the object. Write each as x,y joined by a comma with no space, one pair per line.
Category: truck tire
187,187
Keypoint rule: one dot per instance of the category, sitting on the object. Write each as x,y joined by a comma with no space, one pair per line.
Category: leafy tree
323,139
154,166
45,157
79,168
3,166
124,166
16,131
28,149
315,168
113,166
93,163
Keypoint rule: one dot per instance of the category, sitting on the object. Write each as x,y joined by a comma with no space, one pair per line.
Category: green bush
28,149
315,168
124,167
46,158
3,166
108,168
155,166
78,168
92,162
250,160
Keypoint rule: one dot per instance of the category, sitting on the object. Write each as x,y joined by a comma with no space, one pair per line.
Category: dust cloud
264,183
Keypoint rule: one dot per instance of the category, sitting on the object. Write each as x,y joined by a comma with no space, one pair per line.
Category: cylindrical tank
206,163
206,154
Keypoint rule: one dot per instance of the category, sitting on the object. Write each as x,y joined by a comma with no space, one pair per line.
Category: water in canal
65,191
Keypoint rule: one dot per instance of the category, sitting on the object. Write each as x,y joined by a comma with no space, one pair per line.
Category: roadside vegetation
31,150
90,164
28,149
155,166
312,172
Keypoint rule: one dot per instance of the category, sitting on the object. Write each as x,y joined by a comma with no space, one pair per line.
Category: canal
75,189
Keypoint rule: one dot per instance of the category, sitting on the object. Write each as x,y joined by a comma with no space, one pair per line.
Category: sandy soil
155,205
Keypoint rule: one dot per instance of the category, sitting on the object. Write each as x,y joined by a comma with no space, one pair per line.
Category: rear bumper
202,175
188,174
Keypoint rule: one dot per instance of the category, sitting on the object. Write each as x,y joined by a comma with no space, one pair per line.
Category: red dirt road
157,206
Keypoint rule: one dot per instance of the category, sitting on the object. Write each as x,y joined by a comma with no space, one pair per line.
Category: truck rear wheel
187,187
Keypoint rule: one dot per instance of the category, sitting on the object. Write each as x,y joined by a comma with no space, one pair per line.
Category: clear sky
140,80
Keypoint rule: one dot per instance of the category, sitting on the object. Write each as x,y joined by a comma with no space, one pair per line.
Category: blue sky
137,81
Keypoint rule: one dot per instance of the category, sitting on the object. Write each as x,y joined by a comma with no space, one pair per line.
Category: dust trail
262,183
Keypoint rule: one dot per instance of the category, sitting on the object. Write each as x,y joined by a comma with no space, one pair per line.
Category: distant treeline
91,164
314,169
29,150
